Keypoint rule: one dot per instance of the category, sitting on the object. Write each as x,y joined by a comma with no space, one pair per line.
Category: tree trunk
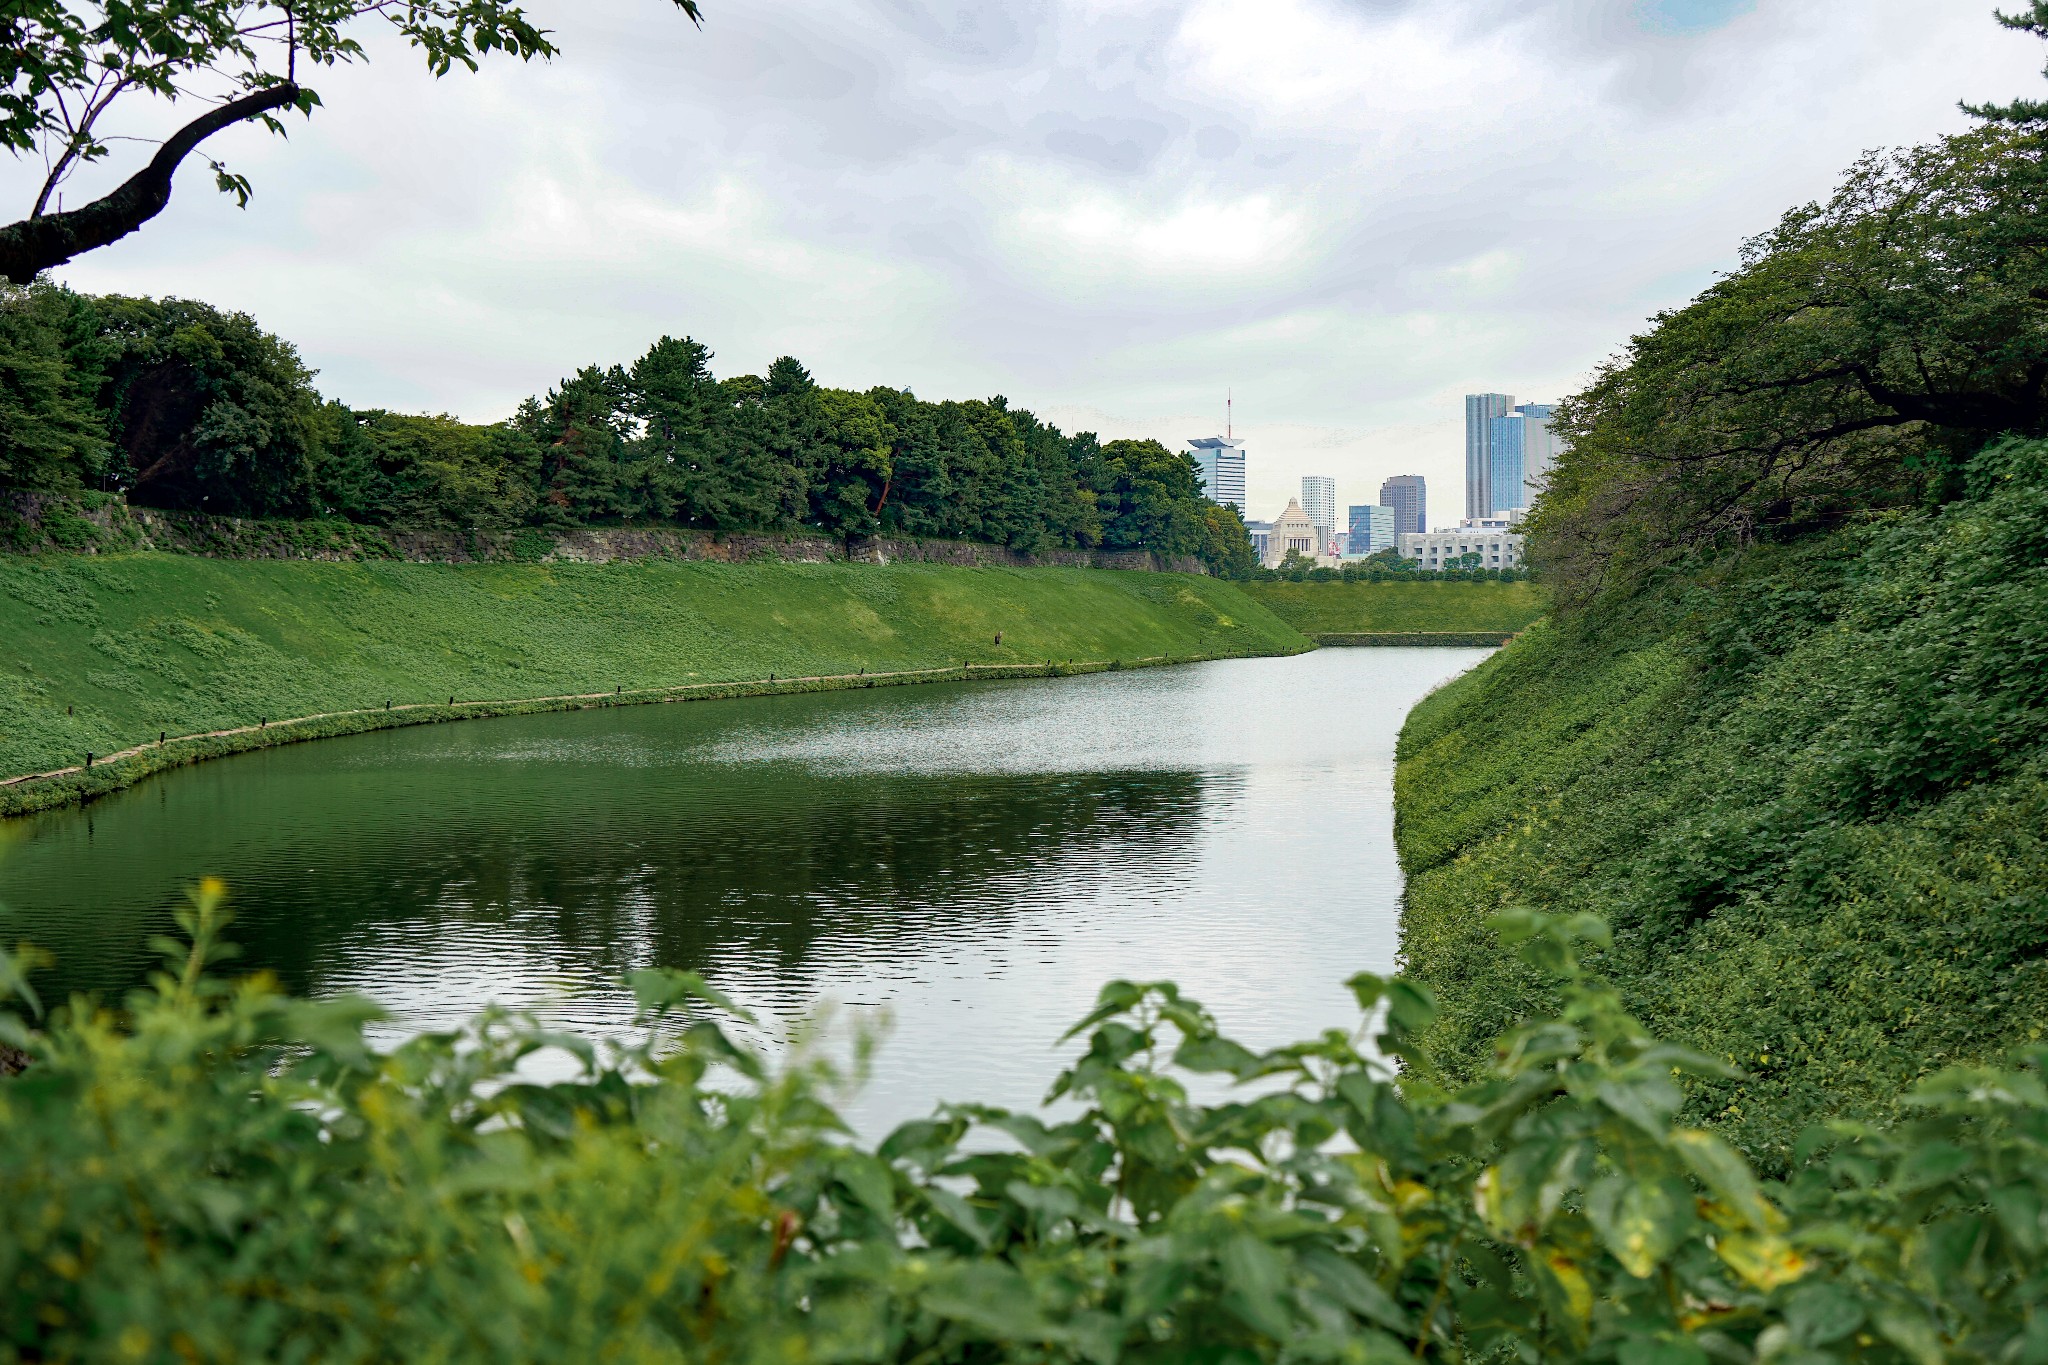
33,245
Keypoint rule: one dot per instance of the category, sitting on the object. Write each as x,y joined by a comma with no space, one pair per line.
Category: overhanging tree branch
33,245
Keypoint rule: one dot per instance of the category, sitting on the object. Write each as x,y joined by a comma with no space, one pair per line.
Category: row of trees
181,405
1385,566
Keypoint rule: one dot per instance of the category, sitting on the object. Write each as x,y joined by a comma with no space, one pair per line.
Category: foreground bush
222,1172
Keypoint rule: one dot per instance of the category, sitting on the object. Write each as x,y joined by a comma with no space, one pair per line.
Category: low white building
1496,548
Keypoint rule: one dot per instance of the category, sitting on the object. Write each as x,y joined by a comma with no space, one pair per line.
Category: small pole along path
675,692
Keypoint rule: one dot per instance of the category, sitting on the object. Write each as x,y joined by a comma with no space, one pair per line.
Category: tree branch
33,245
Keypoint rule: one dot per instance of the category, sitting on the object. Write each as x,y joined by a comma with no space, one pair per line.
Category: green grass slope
1808,787
1359,608
98,653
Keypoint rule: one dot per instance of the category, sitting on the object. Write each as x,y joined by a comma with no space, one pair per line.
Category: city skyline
1108,214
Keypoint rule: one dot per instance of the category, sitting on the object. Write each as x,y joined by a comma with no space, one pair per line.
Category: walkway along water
103,773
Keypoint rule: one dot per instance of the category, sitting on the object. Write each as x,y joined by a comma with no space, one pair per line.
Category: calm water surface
972,859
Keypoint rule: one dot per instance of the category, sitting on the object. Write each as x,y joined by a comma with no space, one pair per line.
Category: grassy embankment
99,654
1403,613
1807,786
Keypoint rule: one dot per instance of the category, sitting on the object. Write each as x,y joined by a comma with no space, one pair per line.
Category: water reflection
976,857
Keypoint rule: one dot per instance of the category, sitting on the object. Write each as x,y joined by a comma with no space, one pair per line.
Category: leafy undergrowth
1807,786
224,1173
1340,608
100,653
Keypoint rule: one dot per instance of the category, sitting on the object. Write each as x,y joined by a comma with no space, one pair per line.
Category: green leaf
1216,1053
1115,998
1662,1349
1930,1164
1641,1222
868,1180
1255,1285
958,1213
1723,1171
1911,1332
660,989
991,1299
1820,1313
1350,1286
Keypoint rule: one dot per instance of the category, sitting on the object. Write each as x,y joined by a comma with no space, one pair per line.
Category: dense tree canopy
184,406
1863,350
68,70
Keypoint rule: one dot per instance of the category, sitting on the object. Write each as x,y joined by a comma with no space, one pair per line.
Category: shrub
223,1172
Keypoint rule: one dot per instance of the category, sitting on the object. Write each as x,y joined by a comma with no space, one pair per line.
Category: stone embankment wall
31,522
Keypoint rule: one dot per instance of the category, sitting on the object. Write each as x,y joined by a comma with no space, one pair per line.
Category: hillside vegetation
104,652
1788,729
1341,608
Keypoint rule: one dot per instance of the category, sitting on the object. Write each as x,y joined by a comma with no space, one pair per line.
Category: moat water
970,861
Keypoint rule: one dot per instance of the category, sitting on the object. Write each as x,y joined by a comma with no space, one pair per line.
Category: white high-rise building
1222,463
1319,500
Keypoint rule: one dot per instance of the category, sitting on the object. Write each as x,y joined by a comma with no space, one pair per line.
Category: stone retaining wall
94,524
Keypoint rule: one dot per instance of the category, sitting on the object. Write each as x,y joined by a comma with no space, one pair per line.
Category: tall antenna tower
1227,400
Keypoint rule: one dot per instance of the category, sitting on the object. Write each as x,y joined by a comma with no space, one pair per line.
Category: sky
1345,214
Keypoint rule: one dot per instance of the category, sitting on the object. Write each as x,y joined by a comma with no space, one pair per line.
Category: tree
1226,545
2033,19
210,412
1151,499
67,69
1863,350
55,436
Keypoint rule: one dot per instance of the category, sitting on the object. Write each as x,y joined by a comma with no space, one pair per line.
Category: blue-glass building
1371,530
1480,411
1520,449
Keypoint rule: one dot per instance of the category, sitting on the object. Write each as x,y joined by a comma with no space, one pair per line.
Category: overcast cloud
1350,212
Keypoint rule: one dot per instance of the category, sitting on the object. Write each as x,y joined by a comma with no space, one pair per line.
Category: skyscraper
1222,462
1521,449
1319,500
1409,498
1480,410
1372,530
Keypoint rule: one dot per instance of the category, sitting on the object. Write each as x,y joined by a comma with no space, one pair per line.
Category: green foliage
219,1171
65,68
103,652
2034,20
1365,607
209,412
1866,347
1807,785
55,436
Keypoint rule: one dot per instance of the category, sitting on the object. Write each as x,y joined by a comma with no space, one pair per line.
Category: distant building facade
1521,448
1292,530
1509,452
1260,532
1408,496
1319,500
1371,530
1480,410
1497,549
1222,464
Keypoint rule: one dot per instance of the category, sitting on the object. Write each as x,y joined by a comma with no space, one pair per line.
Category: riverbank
1806,785
1403,613
106,653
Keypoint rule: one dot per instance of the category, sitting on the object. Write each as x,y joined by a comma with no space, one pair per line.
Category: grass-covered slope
1808,787
1433,607
100,653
